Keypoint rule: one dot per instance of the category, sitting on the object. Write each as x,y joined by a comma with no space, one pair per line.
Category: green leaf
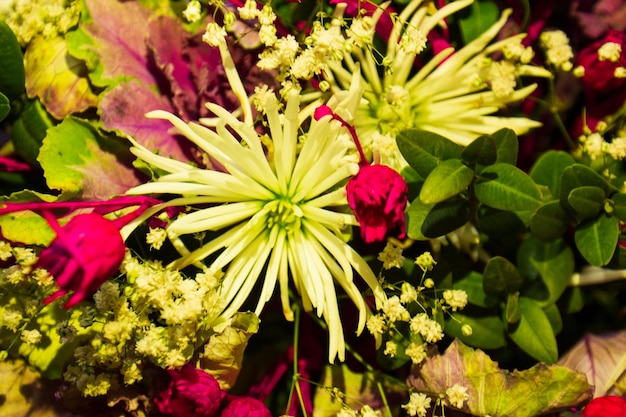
508,146
534,334
30,129
472,284
359,389
78,161
499,223
446,217
5,106
588,201
424,150
579,175
482,151
223,353
447,179
596,239
487,330
512,311
548,169
553,262
554,317
495,392
12,76
619,206
25,226
501,277
549,222
416,214
506,187
482,15
24,392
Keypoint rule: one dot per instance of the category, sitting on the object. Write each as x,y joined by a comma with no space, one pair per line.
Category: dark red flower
86,252
599,74
610,405
378,195
236,406
89,249
191,393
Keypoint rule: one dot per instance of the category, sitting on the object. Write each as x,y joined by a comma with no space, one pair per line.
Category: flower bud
86,252
235,406
192,392
378,195
611,405
466,329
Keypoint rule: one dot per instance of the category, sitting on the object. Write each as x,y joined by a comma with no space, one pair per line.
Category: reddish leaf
602,358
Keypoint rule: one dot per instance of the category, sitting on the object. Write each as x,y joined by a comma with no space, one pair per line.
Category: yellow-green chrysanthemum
275,216
454,94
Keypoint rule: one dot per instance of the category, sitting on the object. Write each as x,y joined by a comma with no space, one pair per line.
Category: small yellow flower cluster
158,315
416,310
595,145
557,48
22,287
45,18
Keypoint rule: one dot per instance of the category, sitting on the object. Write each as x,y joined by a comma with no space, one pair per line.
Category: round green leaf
549,222
553,262
507,145
12,78
482,151
424,150
579,175
487,331
619,206
596,239
588,201
415,216
446,217
512,312
448,179
5,106
548,169
501,277
29,131
506,187
534,333
472,284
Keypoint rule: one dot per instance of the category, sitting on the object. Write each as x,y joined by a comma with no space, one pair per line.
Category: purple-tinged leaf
542,389
124,108
603,359
118,30
166,39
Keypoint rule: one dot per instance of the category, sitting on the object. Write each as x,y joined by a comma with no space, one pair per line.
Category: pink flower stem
324,110
114,204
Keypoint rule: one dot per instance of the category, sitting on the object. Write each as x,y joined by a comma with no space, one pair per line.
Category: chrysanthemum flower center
283,213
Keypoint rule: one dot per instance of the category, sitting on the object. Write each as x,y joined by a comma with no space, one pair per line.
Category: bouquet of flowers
312,208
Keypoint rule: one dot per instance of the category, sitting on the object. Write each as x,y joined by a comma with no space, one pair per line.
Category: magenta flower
611,405
86,252
192,392
599,72
378,196
236,406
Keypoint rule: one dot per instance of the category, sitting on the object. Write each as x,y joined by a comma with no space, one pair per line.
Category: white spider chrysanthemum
272,215
452,94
